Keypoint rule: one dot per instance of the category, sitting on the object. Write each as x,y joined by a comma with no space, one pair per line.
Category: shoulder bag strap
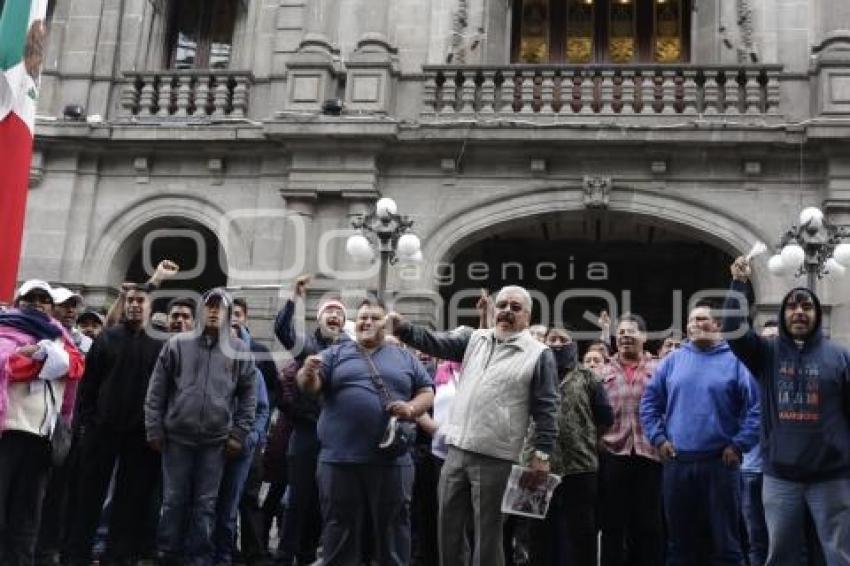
379,384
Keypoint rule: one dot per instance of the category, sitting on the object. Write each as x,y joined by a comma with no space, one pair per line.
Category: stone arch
727,231
107,261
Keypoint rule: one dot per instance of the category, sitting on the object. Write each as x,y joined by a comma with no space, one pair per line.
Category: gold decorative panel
534,32
580,31
621,31
667,40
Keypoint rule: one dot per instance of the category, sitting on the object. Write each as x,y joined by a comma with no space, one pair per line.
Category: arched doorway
194,247
580,262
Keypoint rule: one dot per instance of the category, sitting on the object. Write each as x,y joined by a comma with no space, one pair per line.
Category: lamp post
813,248
388,232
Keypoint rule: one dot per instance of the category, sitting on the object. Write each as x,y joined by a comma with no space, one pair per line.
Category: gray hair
526,297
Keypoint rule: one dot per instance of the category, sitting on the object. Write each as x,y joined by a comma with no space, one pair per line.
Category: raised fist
741,269
301,284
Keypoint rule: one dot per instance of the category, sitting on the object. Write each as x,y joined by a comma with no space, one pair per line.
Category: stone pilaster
312,71
373,66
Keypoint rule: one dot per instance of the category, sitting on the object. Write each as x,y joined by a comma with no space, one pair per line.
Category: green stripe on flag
14,24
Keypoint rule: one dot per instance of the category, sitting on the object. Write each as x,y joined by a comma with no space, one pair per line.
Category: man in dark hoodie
804,382
199,408
302,521
112,431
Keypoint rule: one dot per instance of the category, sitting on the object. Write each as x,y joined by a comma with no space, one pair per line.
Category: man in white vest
507,378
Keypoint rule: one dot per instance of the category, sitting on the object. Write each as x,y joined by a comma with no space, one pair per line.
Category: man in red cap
302,521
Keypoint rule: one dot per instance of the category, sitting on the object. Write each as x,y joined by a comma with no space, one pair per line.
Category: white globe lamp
793,256
408,245
841,253
359,248
834,268
385,208
776,266
812,216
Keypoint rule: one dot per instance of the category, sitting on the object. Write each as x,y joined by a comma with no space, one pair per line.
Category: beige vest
490,411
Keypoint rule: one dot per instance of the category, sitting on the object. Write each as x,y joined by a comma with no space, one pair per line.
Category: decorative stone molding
539,167
831,69
658,167
142,167
597,191
215,165
36,168
448,165
312,74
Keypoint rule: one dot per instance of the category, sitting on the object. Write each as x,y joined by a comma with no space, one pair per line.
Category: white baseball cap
31,285
62,295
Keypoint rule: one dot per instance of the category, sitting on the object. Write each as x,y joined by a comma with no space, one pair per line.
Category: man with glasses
804,382
507,378
364,382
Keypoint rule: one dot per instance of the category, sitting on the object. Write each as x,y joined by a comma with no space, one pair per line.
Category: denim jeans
753,513
191,476
784,509
229,493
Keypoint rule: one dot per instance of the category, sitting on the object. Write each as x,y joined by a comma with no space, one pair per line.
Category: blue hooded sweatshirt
702,401
805,395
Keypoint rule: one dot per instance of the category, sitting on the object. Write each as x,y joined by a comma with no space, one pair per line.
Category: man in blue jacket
804,382
701,411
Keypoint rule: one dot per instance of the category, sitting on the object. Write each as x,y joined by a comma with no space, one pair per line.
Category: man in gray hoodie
199,408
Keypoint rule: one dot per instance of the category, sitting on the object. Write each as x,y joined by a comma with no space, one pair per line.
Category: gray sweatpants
471,489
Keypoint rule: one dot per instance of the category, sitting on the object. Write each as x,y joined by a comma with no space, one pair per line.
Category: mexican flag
22,34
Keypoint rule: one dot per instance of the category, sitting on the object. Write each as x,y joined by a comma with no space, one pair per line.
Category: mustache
505,317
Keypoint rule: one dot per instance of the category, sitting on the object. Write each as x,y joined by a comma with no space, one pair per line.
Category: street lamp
814,248
389,233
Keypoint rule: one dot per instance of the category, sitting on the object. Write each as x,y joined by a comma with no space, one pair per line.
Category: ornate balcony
185,94
639,91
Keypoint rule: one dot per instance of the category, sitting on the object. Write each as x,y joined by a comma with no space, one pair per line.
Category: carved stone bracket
36,168
597,191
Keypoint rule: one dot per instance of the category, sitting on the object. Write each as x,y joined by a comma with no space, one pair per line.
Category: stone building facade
623,172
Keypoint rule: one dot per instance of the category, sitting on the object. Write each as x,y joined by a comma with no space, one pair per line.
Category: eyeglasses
514,307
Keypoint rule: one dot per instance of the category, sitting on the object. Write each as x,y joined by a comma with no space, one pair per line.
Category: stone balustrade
186,94
520,91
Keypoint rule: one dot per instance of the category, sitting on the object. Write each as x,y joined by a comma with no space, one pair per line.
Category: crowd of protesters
174,438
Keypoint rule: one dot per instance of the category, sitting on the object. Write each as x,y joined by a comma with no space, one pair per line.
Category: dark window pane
186,33
202,33
221,33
